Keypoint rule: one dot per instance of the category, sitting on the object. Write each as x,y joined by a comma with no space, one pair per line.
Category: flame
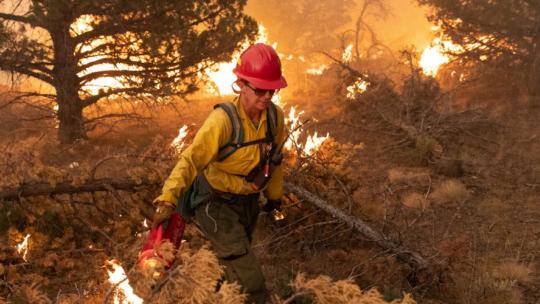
431,60
293,121
358,87
435,55
313,142
22,248
222,76
317,70
276,99
178,141
123,292
347,53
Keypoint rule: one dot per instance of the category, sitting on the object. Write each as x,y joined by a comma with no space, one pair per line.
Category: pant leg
224,225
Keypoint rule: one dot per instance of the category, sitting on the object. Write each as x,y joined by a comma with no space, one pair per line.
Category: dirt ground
479,223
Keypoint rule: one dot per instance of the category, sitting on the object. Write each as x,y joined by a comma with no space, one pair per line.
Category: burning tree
503,32
130,48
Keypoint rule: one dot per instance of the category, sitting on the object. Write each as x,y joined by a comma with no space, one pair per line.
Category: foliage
149,47
323,290
194,280
503,32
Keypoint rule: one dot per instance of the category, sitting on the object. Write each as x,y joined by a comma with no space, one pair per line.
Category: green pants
229,225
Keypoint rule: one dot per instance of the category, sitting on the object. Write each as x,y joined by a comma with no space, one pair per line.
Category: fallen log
412,258
94,185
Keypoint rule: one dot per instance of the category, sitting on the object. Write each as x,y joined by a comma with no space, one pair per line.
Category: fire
293,121
358,87
347,53
435,55
123,292
313,142
431,60
22,248
317,70
222,76
178,141
276,99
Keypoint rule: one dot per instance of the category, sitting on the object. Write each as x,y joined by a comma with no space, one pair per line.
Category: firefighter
219,182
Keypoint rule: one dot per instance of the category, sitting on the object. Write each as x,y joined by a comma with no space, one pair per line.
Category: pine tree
502,32
151,47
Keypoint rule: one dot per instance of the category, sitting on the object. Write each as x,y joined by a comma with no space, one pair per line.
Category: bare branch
17,18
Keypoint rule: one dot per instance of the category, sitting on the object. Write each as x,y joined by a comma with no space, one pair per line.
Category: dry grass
323,290
513,271
409,176
415,200
450,191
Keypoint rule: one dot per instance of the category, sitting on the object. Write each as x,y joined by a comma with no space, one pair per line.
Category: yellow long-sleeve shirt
227,175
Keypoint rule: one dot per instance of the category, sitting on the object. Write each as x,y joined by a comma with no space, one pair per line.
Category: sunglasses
260,92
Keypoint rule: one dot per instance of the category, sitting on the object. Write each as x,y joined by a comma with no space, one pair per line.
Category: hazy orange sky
405,25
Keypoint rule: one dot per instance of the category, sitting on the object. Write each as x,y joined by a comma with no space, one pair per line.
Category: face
253,99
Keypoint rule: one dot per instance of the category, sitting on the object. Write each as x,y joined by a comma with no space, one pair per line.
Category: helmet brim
265,84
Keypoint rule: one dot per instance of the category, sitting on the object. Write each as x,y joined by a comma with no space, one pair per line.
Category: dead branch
412,258
44,188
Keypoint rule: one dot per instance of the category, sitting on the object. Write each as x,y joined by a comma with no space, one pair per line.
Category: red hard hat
259,64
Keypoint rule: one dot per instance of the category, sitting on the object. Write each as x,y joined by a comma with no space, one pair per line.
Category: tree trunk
71,123
67,85
534,71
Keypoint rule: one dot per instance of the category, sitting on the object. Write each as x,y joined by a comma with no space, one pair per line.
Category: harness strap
237,136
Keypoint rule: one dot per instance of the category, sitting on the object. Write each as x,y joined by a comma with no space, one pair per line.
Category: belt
234,196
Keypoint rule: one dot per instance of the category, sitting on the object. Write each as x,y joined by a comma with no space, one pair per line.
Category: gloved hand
271,205
163,212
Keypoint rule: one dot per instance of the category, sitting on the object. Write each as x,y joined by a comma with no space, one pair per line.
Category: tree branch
412,258
42,188
22,19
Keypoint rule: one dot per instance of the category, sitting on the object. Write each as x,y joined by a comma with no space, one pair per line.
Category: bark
534,77
67,85
412,258
36,189
534,70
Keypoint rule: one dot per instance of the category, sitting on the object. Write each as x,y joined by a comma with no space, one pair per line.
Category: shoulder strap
271,122
237,136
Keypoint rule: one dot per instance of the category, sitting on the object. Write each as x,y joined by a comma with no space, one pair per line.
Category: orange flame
123,292
434,56
312,143
293,121
178,142
22,248
347,53
358,87
317,70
